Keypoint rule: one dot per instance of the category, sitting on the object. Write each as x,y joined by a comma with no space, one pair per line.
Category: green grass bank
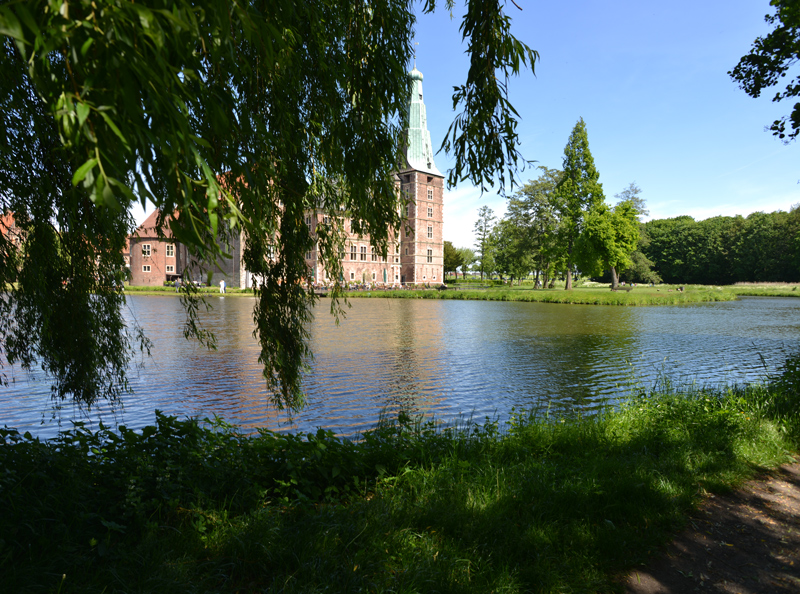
766,289
662,295
537,505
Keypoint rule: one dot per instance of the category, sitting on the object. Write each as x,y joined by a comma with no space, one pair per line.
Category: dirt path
747,542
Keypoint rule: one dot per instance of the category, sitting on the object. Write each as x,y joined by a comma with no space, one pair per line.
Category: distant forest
724,250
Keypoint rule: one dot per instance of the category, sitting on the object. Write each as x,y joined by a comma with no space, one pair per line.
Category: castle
415,258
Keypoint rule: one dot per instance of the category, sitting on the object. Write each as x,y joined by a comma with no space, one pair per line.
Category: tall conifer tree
579,191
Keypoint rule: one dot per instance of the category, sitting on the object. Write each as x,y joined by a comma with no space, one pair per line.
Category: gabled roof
149,228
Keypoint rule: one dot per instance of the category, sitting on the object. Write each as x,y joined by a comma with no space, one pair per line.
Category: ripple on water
447,359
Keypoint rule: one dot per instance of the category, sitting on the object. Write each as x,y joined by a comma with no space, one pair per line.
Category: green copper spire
419,152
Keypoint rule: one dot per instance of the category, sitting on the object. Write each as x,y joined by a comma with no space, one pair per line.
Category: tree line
559,225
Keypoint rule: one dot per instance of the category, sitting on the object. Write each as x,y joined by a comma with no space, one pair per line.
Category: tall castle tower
422,247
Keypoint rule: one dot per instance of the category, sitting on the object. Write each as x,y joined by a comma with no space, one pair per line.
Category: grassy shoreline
665,295
591,295
542,504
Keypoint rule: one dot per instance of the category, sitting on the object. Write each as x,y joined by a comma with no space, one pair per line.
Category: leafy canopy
769,61
230,118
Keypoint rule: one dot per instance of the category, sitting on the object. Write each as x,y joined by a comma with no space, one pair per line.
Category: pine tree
579,192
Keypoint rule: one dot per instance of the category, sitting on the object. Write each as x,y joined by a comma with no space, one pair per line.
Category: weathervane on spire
415,54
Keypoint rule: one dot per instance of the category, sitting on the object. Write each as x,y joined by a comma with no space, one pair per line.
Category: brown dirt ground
746,542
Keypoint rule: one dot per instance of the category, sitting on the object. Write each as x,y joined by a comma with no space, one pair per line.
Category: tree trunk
568,285
614,278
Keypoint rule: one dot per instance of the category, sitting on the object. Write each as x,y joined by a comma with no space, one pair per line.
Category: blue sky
650,81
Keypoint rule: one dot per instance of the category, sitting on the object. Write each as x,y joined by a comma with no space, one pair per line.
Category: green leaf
86,45
113,126
108,197
83,112
82,171
10,25
124,189
27,18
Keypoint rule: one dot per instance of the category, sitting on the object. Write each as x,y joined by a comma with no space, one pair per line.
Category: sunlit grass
543,503
767,289
643,295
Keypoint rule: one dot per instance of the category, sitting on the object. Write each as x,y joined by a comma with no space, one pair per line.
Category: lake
445,359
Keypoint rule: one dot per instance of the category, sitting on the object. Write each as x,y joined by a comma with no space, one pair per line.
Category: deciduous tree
512,255
535,206
608,238
452,258
467,259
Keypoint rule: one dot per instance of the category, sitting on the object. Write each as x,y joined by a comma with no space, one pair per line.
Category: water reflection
442,358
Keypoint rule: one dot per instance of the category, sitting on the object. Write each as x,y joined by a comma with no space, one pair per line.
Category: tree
511,254
483,239
467,257
230,118
770,59
452,258
535,207
578,193
640,269
609,237
633,194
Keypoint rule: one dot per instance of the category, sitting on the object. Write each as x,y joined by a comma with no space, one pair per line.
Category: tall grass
542,503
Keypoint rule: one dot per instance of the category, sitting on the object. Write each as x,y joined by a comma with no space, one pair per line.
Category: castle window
430,212
374,256
170,250
406,251
170,268
363,252
430,193
352,276
430,232
308,221
308,255
430,256
353,252
326,219
146,251
373,276
146,268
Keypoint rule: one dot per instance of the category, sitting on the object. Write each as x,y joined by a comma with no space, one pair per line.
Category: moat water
450,360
